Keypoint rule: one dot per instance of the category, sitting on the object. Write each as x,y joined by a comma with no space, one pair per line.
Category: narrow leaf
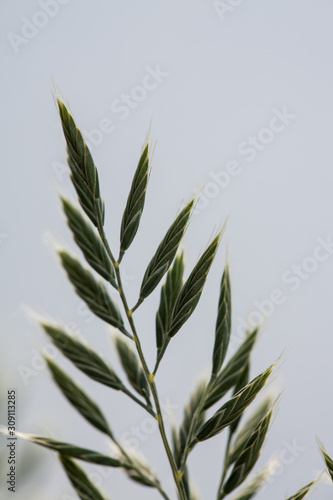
302,492
233,408
165,252
169,293
92,292
135,201
83,357
84,173
89,242
234,370
249,455
85,489
190,293
79,399
223,323
132,367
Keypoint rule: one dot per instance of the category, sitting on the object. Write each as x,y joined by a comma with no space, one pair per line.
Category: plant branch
149,376
160,354
138,401
152,385
197,412
156,484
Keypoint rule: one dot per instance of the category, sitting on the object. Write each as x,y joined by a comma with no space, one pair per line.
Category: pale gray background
225,78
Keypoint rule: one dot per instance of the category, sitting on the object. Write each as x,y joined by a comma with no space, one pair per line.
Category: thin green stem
152,385
161,354
149,376
121,255
149,409
193,424
156,484
139,302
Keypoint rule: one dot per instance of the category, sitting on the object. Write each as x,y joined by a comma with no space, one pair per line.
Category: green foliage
89,242
84,173
233,371
132,368
178,301
302,493
169,293
135,202
85,489
78,398
248,455
252,486
165,252
192,289
91,291
248,430
233,408
223,323
327,459
83,357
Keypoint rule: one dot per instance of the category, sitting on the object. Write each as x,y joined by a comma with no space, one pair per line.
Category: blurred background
239,99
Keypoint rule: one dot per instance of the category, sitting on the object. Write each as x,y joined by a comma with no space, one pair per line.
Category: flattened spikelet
248,456
233,408
89,242
91,291
132,368
165,252
84,173
223,323
85,489
234,369
169,294
135,201
302,493
191,291
78,398
83,357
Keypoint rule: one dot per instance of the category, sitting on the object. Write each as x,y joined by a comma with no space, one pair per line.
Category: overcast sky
238,95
